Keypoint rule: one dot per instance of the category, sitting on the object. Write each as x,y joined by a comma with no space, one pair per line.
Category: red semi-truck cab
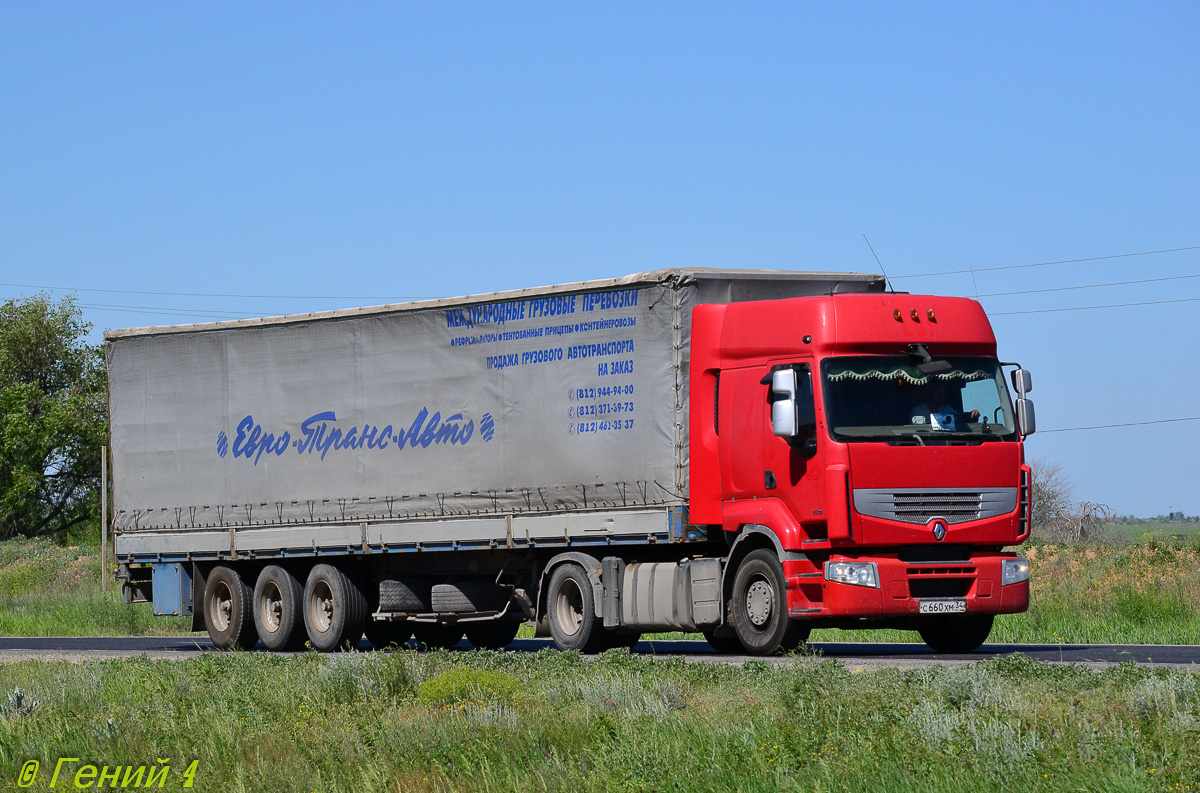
869,441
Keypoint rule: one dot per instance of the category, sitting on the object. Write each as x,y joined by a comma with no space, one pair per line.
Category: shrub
462,684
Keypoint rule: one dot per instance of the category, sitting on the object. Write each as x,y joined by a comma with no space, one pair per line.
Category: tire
335,611
620,641
725,645
278,609
466,597
759,605
227,610
492,635
382,633
436,635
572,612
409,595
957,634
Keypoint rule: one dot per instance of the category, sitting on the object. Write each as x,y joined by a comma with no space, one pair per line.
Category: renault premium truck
747,454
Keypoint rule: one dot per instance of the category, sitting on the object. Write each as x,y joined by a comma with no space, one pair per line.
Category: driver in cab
934,411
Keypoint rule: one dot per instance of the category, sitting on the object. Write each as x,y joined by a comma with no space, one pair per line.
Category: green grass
1154,531
551,721
48,590
1142,593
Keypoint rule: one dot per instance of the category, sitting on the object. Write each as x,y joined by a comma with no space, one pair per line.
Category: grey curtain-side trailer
436,468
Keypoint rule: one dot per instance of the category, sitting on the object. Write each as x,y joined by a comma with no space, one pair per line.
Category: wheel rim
759,602
568,607
221,606
320,607
270,608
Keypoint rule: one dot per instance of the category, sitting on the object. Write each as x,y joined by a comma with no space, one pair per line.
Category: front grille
922,506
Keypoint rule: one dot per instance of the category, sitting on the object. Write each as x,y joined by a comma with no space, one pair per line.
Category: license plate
941,606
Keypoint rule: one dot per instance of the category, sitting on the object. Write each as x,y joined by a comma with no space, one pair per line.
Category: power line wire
215,294
972,270
1092,286
1090,308
169,310
1129,424
1047,264
183,312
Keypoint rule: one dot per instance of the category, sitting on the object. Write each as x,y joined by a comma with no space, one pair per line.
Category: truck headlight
1014,571
855,573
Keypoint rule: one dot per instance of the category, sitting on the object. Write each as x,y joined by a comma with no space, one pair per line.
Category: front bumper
902,587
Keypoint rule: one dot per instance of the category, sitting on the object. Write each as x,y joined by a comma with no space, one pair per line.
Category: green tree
52,417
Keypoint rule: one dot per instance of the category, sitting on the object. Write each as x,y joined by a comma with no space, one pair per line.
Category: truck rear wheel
335,610
227,610
759,605
277,609
571,611
957,634
493,635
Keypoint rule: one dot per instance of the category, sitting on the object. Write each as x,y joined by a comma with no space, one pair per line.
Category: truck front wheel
227,610
571,611
335,610
277,609
957,634
759,605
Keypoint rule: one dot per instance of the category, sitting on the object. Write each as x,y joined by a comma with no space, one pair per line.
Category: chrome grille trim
921,505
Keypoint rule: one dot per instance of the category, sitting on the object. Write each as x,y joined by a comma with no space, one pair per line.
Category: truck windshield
873,398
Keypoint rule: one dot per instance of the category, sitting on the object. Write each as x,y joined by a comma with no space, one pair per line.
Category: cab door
793,467
741,413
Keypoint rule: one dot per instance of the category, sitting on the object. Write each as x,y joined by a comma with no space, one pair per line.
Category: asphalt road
856,654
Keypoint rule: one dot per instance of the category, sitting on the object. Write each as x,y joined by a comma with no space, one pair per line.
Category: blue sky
359,153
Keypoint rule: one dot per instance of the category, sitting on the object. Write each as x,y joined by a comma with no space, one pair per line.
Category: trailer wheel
957,634
335,610
227,610
438,635
277,609
386,633
571,611
492,635
759,605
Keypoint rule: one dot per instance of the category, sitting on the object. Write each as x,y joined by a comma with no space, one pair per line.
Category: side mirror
783,411
1022,381
1026,417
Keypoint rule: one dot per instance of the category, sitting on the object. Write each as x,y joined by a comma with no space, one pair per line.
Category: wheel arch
751,537
591,566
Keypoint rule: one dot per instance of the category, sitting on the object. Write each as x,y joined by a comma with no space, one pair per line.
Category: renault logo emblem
939,529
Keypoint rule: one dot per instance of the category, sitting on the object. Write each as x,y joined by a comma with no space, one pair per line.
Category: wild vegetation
52,418
550,721
1139,593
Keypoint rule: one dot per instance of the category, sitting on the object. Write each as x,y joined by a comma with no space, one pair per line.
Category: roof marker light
896,313
932,316
915,316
